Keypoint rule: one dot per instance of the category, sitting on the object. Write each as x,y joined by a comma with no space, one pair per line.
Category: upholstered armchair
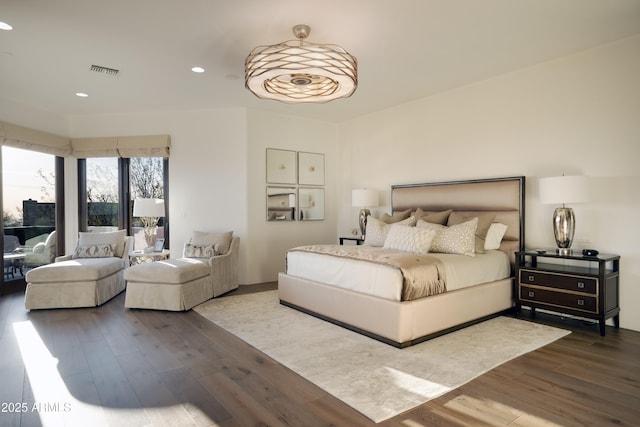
42,252
207,269
221,252
89,277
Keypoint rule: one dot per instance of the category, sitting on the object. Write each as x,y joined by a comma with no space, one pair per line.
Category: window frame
124,196
19,285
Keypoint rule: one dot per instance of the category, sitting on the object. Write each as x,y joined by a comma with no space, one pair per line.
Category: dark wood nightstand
358,240
589,289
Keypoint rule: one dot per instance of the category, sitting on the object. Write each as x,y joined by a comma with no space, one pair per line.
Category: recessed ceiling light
197,70
5,26
81,94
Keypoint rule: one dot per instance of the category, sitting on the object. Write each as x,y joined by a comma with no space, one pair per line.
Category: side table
588,288
139,257
358,240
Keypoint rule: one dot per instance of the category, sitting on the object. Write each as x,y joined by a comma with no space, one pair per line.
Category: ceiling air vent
105,70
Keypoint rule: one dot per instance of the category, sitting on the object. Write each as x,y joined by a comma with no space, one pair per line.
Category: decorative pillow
484,222
108,237
435,218
193,251
220,240
409,239
397,217
376,231
456,239
98,250
494,236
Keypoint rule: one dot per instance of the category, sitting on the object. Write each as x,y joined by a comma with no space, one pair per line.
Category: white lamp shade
153,208
564,189
364,198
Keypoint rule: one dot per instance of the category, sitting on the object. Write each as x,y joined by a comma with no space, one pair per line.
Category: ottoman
175,284
86,282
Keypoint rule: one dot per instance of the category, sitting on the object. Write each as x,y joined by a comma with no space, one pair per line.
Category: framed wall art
311,203
310,168
281,203
281,166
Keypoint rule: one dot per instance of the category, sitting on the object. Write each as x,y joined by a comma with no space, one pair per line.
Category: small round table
139,257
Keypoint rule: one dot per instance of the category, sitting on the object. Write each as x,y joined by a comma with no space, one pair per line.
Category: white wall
217,177
271,239
207,168
576,115
22,115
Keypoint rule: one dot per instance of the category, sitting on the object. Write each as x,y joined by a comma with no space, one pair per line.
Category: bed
406,322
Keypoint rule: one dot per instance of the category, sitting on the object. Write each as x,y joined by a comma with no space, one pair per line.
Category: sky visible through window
21,180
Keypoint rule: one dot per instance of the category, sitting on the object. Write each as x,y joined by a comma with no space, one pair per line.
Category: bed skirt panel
397,323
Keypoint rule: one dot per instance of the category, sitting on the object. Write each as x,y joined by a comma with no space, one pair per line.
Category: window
146,180
102,193
29,211
108,187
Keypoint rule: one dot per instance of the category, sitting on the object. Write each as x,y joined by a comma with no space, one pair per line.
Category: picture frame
311,204
159,246
281,166
310,168
281,203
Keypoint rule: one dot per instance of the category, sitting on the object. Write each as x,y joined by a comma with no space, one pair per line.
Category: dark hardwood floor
111,366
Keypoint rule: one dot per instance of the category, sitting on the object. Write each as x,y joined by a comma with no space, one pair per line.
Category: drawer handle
531,294
581,285
580,302
532,278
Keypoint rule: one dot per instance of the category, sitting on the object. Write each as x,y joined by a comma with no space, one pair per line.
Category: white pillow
494,235
455,239
376,231
409,239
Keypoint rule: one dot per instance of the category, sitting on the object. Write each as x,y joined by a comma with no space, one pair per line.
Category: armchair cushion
219,240
117,238
75,271
175,271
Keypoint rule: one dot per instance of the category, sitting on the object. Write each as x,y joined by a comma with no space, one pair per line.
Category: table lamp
149,211
564,189
364,199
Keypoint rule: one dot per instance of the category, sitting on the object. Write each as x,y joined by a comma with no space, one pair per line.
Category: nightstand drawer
559,299
569,282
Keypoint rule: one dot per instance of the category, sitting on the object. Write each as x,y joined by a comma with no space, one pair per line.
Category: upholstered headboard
503,197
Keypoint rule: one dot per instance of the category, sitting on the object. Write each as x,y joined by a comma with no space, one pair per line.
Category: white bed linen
386,282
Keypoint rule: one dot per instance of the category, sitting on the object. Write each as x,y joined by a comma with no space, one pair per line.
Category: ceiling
406,49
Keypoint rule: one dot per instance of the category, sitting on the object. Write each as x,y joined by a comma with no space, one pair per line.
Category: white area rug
376,379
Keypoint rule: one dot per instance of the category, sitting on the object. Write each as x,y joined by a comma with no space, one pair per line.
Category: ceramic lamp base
564,226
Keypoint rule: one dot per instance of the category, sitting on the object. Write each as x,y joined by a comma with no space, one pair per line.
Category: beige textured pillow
98,250
456,239
407,238
107,237
193,251
434,218
397,217
484,222
220,240
376,231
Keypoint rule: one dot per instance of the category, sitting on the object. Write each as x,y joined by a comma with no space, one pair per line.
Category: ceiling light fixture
5,26
197,70
81,95
297,71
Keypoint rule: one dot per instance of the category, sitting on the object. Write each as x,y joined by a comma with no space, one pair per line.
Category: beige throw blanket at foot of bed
423,275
